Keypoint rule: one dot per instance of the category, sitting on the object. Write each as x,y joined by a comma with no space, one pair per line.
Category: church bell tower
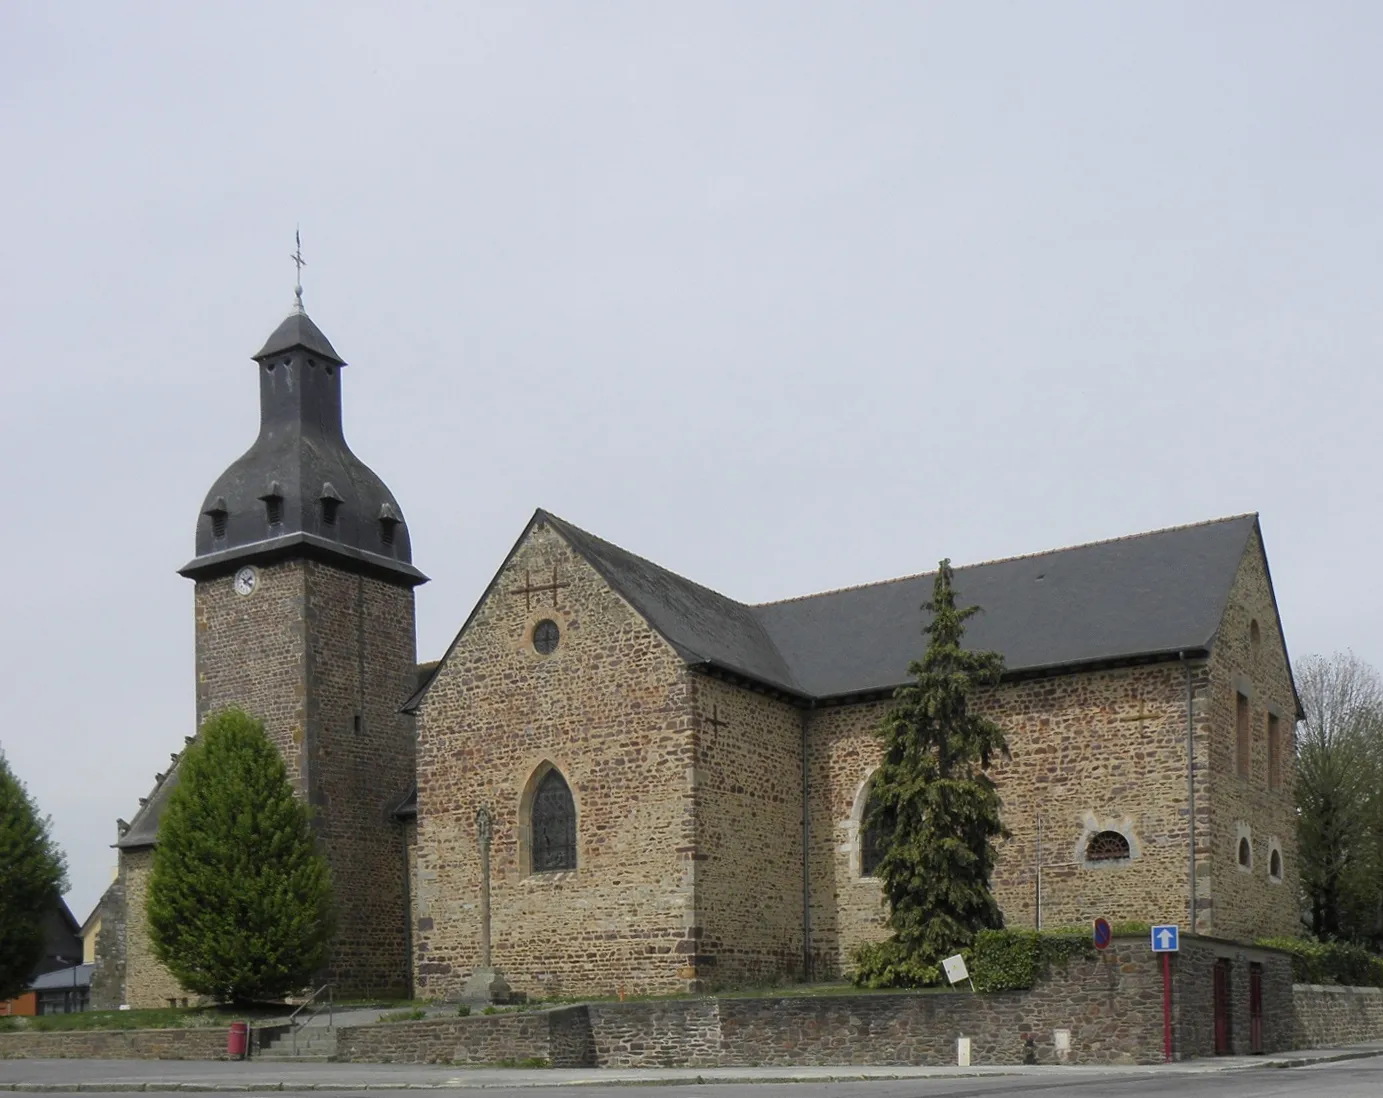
305,619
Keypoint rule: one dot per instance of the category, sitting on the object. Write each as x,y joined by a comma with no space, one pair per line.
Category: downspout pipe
1190,790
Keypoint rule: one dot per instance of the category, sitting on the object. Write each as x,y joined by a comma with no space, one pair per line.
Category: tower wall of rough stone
1247,901
325,658
361,667
609,708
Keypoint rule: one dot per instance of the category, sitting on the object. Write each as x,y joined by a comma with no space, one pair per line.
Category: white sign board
963,1052
955,969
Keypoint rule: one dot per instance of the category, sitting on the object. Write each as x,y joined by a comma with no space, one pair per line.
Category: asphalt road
1361,1078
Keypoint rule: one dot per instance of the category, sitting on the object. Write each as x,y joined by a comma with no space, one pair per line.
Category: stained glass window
553,825
871,839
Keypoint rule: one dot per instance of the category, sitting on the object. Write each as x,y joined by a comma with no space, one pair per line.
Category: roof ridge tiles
1008,560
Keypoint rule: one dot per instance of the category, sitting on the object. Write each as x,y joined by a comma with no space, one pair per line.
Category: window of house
1107,846
1274,752
871,838
1275,865
1255,643
1243,734
1245,853
553,826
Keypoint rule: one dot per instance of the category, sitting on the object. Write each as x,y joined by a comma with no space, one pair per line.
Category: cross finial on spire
300,262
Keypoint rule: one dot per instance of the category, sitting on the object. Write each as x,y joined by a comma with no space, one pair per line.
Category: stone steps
314,1044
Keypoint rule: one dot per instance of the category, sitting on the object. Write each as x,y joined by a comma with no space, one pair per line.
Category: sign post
1166,940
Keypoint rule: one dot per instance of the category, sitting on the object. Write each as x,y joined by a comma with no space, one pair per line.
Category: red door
1222,1034
1255,1008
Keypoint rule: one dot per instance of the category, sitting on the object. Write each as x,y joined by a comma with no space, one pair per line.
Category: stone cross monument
485,983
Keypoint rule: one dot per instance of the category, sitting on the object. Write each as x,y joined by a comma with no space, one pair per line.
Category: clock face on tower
245,580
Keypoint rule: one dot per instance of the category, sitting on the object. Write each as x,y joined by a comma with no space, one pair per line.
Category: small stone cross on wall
529,588
714,719
1140,717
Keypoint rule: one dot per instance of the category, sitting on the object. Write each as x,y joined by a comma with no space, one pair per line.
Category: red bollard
238,1040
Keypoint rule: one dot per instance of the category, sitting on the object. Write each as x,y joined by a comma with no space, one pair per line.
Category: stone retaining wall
206,1043
1328,1017
482,1039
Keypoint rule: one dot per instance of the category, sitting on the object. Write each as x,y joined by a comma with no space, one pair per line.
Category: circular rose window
545,636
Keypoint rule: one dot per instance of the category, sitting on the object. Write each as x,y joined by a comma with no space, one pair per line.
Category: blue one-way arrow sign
1164,939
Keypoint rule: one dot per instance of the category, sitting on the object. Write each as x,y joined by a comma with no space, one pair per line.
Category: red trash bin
238,1040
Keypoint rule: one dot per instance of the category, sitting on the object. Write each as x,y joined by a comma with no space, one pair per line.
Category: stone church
672,782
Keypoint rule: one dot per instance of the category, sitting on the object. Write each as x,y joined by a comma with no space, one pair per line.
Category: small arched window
871,836
1275,866
1245,853
553,826
1255,642
1107,846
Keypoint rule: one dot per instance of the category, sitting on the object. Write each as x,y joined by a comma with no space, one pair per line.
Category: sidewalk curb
1307,1061
529,1083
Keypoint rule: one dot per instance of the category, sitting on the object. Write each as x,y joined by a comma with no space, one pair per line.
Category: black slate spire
299,490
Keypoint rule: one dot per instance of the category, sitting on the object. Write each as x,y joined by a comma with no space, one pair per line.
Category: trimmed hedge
999,960
1013,960
1329,962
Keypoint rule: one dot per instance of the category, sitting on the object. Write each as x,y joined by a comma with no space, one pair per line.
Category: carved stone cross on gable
529,588
714,719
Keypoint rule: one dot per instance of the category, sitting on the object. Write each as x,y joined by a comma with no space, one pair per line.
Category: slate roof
1151,594
298,330
60,979
1146,595
143,829
701,624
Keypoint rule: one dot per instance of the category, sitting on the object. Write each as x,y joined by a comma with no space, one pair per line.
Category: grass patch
189,1018
415,1014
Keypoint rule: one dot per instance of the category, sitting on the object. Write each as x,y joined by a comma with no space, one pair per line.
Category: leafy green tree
934,805
240,905
33,877
1339,797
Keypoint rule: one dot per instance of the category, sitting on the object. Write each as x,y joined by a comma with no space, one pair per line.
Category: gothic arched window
1107,846
871,837
553,826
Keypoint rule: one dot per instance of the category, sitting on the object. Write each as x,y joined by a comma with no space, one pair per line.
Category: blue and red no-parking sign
1103,933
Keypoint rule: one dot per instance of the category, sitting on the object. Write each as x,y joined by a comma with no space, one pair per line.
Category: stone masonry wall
748,836
361,669
325,657
610,709
1193,997
1110,1005
1246,902
108,977
252,652
148,985
484,1039
1330,1017
1090,752
207,1043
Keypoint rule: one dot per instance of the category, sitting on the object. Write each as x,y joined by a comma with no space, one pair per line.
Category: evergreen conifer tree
934,805
32,879
240,905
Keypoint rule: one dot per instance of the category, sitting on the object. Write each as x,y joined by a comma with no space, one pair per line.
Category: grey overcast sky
785,296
